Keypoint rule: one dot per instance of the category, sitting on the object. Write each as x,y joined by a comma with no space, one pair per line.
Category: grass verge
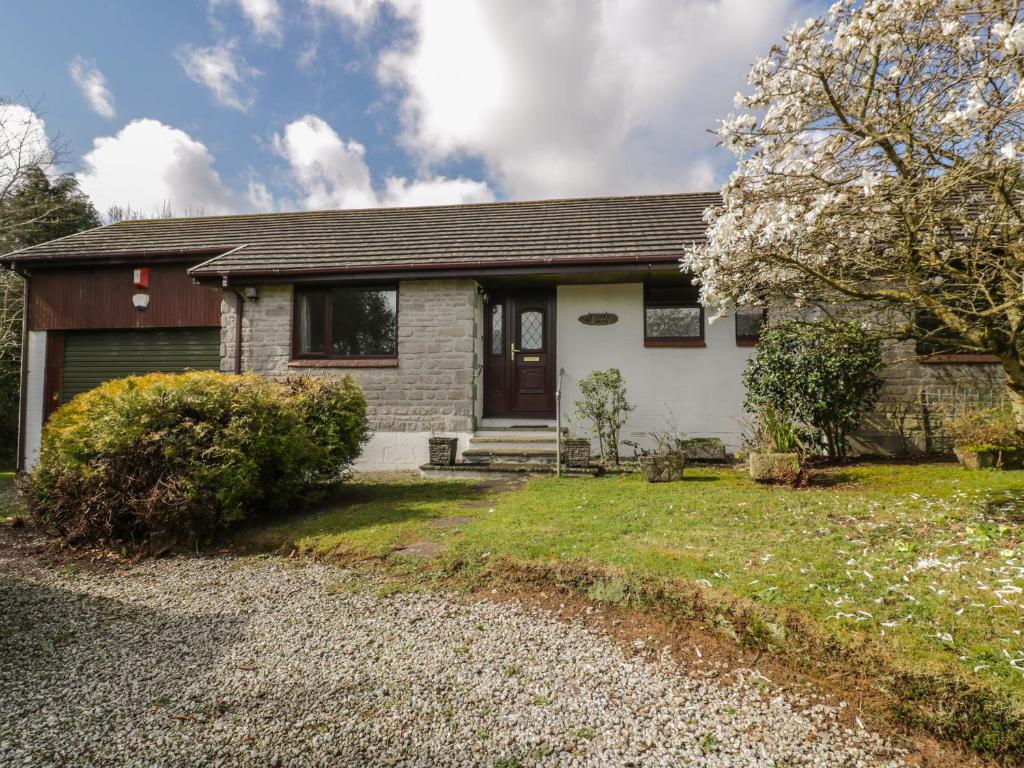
911,576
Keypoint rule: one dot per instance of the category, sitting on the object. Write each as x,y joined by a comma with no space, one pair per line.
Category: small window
497,329
929,331
346,321
673,317
748,325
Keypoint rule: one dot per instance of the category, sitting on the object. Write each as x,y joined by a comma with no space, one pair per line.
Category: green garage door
92,357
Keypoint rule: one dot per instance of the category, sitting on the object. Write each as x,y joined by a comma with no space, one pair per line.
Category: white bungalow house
464,320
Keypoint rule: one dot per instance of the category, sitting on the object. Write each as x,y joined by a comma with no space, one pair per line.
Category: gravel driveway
264,662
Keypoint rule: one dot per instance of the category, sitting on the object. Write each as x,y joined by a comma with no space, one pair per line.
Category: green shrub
823,375
771,431
173,457
984,428
604,405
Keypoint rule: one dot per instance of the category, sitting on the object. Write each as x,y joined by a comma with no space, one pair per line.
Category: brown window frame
328,309
672,341
745,340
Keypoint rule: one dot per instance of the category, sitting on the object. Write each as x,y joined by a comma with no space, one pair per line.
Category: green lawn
921,566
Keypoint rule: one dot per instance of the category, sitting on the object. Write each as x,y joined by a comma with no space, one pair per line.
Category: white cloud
436,190
223,71
264,15
329,172
23,144
93,85
358,13
577,96
148,165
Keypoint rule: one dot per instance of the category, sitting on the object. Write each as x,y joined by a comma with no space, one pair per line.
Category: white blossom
869,181
844,193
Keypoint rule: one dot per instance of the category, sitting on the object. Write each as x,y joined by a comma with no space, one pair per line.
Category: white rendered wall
36,361
698,391
393,451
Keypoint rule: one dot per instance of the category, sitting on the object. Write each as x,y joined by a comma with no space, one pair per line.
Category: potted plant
666,462
774,448
986,438
442,449
576,452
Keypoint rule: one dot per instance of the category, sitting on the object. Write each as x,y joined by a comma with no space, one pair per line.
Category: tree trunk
1015,387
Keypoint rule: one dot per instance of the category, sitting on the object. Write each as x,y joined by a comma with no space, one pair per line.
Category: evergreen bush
177,457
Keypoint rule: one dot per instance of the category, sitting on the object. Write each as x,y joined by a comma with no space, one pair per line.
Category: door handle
514,350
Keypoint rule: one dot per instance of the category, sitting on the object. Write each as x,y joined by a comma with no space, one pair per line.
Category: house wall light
252,293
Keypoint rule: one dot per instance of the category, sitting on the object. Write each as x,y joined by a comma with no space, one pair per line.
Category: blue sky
237,105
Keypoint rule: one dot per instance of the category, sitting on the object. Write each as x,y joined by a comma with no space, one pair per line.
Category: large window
673,317
346,322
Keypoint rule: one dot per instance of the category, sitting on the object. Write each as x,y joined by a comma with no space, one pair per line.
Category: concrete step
513,453
490,423
468,471
490,438
511,442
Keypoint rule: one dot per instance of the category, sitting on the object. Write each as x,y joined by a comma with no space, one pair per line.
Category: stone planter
662,467
990,458
704,449
774,467
576,452
443,451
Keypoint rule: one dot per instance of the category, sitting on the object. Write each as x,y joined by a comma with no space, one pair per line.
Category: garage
90,319
92,357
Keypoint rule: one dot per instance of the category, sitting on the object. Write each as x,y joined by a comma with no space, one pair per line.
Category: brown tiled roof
639,228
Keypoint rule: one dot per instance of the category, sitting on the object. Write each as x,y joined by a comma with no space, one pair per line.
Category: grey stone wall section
434,385
918,398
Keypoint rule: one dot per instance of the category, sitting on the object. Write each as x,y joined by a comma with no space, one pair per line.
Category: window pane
497,330
312,305
364,321
748,322
531,330
673,322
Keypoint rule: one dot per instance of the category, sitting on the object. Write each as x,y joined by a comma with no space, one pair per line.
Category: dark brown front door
519,366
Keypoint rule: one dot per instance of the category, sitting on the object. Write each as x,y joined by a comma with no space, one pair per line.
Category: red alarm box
140,277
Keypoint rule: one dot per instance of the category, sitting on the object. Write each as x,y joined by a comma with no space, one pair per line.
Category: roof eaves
481,266
6,258
210,261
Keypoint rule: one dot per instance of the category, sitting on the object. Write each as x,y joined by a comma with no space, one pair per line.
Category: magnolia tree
881,169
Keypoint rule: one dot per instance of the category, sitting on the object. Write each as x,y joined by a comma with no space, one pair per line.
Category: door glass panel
531,330
497,329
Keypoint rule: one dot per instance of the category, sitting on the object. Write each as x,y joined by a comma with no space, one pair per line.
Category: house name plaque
599,318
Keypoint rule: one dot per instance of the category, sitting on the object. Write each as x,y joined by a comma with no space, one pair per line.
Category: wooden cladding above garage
101,297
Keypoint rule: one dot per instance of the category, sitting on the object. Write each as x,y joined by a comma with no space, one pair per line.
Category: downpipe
558,424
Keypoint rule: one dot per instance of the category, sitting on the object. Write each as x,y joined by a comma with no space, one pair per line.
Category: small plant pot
775,467
576,452
704,449
663,467
443,451
990,458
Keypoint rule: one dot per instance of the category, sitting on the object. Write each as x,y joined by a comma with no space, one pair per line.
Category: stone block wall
433,387
919,397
